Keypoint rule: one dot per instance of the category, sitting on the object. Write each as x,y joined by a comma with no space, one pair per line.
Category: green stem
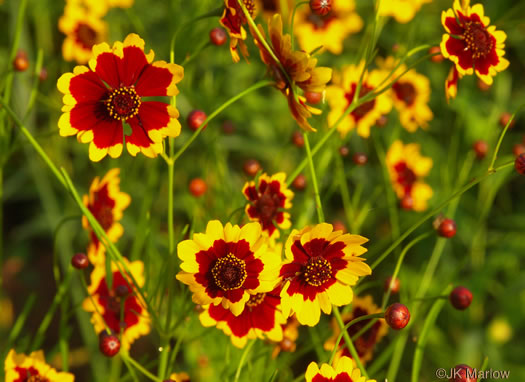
197,51
242,360
36,81
495,155
116,368
139,367
318,205
349,342
19,323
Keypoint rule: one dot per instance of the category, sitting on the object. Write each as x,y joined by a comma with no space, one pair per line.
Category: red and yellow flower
233,20
227,265
83,30
293,69
343,371
121,309
261,318
329,31
267,201
106,202
365,344
321,266
180,377
471,43
97,100
410,94
341,94
402,10
407,167
21,368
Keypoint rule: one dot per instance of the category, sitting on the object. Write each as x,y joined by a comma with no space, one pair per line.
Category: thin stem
242,360
318,205
139,367
349,342
34,89
495,155
115,369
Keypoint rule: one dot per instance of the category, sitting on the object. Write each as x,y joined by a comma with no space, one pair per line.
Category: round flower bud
505,118
518,149
360,159
463,373
447,228
122,290
21,62
397,316
80,261
196,118
460,298
109,344
394,285
344,151
480,148
299,183
519,164
298,139
321,7
251,167
438,57
313,97
197,187
218,36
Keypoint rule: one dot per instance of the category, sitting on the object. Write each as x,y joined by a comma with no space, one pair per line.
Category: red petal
483,64
107,69
132,65
107,134
251,193
453,26
87,87
139,136
153,81
84,116
154,115
456,47
234,295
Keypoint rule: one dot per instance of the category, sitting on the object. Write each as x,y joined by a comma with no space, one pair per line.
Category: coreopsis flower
471,43
410,94
180,377
329,31
402,10
120,308
343,371
22,368
261,318
407,167
341,94
106,202
97,100
83,30
267,201
233,20
321,266
227,265
294,69
365,344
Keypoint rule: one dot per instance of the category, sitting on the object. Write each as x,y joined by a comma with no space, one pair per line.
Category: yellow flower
101,7
106,202
364,345
411,94
180,377
83,30
227,265
402,10
329,31
267,202
341,94
299,70
19,367
121,301
321,266
343,370
407,167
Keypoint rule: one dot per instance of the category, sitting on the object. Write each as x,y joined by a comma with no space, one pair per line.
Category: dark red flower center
86,36
29,375
270,5
104,216
321,22
317,271
255,300
406,177
123,103
478,40
267,205
368,339
405,91
229,272
365,108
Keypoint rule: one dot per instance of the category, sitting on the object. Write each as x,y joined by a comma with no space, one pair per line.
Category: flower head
119,307
267,201
329,31
407,167
233,20
343,371
320,266
20,367
410,94
402,10
98,99
227,265
83,30
180,377
341,94
295,68
470,43
106,202
261,318
364,344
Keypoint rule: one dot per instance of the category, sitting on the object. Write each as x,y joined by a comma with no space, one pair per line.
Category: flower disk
106,202
471,44
267,202
97,100
321,265
227,265
343,371
32,368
